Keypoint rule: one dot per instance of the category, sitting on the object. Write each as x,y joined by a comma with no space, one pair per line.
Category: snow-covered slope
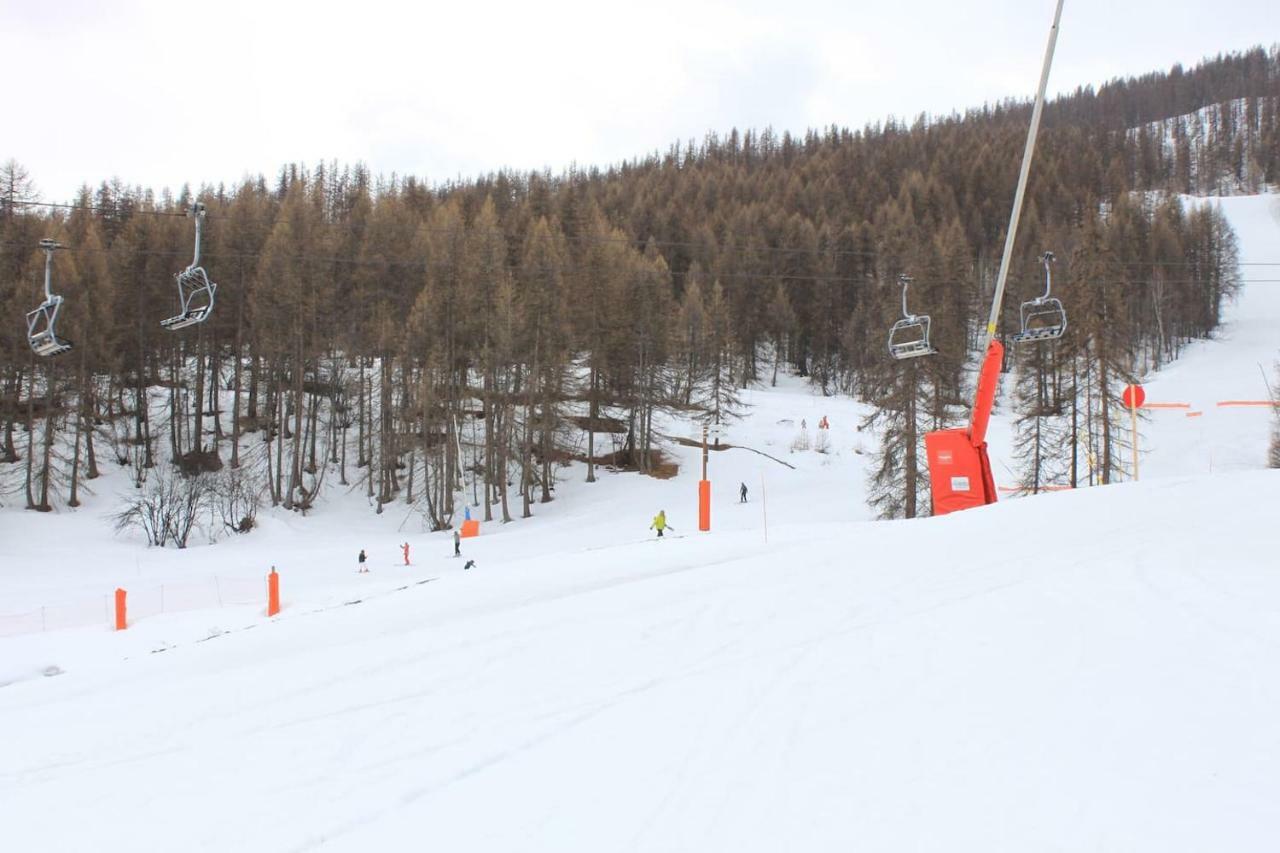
1084,671
1236,365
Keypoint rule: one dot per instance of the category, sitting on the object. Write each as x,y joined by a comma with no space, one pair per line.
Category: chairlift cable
583,240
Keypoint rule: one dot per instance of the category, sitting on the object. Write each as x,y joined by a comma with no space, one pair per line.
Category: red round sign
1134,396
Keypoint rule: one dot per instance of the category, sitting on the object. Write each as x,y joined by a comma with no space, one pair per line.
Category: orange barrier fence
1226,403
1195,414
1165,406
470,527
119,609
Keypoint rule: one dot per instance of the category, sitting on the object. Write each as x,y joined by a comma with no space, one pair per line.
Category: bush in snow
235,499
168,507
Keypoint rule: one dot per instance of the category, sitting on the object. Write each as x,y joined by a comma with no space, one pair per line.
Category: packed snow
1093,670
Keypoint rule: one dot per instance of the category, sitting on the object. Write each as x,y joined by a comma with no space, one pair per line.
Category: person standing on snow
457,544
742,494
405,548
361,559
660,522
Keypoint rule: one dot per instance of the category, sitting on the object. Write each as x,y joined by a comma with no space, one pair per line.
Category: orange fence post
121,620
704,505
273,593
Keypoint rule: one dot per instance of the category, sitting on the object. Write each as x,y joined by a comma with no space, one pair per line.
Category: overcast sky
162,93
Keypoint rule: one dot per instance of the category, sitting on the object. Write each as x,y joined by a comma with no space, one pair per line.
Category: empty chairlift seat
909,336
42,322
1042,318
195,290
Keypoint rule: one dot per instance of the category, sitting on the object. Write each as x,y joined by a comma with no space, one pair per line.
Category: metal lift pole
960,475
1002,277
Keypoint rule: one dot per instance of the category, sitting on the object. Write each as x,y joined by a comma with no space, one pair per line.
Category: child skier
405,548
660,522
457,544
362,558
742,494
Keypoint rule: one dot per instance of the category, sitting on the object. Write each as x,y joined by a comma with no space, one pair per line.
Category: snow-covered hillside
1236,365
1199,143
1078,671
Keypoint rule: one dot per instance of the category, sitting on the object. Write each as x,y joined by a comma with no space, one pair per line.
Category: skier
457,544
405,548
742,494
469,564
362,558
660,522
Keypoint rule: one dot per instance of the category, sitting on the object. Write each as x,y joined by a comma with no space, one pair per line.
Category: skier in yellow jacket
660,522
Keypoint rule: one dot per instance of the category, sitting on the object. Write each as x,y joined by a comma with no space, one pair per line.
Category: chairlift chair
1043,318
909,336
195,290
42,332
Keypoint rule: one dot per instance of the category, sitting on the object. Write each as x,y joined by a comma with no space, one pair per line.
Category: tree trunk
44,505
592,414
236,373
73,500
31,432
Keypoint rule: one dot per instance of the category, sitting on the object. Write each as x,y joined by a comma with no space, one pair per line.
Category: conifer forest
422,341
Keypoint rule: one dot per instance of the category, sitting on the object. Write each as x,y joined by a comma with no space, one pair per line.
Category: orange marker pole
704,489
273,593
121,616
704,505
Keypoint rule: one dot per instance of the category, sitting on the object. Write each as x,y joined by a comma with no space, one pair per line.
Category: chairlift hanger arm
1047,258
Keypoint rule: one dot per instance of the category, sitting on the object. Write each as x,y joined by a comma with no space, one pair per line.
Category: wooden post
273,592
704,451
121,616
